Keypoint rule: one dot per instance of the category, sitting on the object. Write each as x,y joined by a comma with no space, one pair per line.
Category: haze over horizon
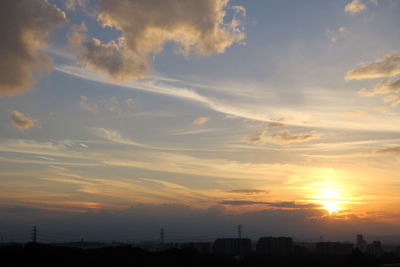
122,117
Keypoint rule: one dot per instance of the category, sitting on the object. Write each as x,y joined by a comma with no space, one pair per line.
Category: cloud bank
24,27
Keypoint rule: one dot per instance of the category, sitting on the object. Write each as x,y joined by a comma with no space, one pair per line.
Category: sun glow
329,198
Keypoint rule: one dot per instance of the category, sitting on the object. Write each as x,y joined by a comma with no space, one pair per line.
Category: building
200,247
361,243
334,248
232,246
275,245
375,248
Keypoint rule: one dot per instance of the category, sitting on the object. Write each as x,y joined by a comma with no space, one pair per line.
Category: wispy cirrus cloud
236,108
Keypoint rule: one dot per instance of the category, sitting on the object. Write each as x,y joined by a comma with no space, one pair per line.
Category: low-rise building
334,248
232,246
275,245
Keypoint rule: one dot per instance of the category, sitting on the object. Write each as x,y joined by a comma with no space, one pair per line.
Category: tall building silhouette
361,243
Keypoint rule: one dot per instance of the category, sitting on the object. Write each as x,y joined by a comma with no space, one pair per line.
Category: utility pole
34,234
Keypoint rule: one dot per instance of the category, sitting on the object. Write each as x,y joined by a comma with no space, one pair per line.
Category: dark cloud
294,205
389,150
248,191
283,205
24,28
242,202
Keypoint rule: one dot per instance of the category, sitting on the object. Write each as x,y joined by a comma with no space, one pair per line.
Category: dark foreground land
55,256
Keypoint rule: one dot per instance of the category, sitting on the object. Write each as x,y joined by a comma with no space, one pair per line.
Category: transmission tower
34,234
162,236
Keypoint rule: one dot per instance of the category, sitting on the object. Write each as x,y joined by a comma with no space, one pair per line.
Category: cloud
334,35
74,4
286,118
355,112
384,87
386,66
200,120
258,138
197,131
275,125
86,105
248,191
283,205
116,137
24,27
355,6
21,121
196,27
242,202
389,150
294,205
393,100
113,58
380,109
285,137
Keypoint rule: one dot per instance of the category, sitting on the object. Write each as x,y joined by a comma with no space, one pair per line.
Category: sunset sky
131,115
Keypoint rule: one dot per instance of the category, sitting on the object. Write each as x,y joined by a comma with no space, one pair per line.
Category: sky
122,117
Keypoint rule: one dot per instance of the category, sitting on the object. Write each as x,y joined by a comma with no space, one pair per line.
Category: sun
329,198
330,206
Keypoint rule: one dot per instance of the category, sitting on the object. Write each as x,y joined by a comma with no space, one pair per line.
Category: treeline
32,255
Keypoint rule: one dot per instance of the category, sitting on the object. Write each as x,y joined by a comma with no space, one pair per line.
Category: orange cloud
21,121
